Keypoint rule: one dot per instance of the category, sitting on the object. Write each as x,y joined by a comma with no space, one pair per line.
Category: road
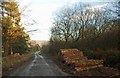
39,66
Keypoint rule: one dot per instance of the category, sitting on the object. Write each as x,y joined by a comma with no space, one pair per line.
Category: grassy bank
13,61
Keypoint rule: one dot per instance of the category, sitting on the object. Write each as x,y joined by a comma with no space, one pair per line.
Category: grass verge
13,61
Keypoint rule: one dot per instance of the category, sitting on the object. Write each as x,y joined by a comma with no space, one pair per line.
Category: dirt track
39,66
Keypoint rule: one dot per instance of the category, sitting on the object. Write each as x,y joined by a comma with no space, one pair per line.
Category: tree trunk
11,52
6,49
66,43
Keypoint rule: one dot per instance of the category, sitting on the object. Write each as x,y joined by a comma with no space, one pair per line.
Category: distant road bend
39,66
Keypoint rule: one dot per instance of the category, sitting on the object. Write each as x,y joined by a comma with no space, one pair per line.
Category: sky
42,11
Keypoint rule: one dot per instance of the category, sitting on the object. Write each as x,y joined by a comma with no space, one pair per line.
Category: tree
71,23
12,30
62,25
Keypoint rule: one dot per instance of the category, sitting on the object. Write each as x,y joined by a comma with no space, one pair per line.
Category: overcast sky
42,11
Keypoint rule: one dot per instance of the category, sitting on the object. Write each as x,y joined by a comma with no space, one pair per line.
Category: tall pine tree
14,37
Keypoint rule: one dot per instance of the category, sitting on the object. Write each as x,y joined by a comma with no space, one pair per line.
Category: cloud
75,1
98,7
101,6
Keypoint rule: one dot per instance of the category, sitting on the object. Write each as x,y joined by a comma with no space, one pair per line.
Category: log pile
75,58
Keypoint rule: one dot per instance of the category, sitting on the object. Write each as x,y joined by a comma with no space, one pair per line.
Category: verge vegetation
93,31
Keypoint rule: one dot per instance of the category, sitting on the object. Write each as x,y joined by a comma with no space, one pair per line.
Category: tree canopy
14,38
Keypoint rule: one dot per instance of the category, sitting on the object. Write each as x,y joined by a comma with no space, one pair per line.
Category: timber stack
77,61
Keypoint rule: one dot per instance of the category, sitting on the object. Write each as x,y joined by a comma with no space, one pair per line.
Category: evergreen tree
13,35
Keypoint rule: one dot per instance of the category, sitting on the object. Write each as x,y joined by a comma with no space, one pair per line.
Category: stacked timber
75,58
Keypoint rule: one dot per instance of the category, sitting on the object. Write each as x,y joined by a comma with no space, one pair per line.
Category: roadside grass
14,61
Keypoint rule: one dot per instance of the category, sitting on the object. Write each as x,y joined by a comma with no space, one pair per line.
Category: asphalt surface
39,66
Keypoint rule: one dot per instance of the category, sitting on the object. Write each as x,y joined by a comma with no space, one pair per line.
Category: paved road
39,66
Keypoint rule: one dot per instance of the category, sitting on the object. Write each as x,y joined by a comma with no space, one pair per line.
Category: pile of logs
78,61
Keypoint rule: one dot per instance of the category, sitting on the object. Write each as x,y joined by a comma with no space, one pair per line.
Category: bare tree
62,24
79,22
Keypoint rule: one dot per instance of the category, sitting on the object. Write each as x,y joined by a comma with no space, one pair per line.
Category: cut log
77,61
